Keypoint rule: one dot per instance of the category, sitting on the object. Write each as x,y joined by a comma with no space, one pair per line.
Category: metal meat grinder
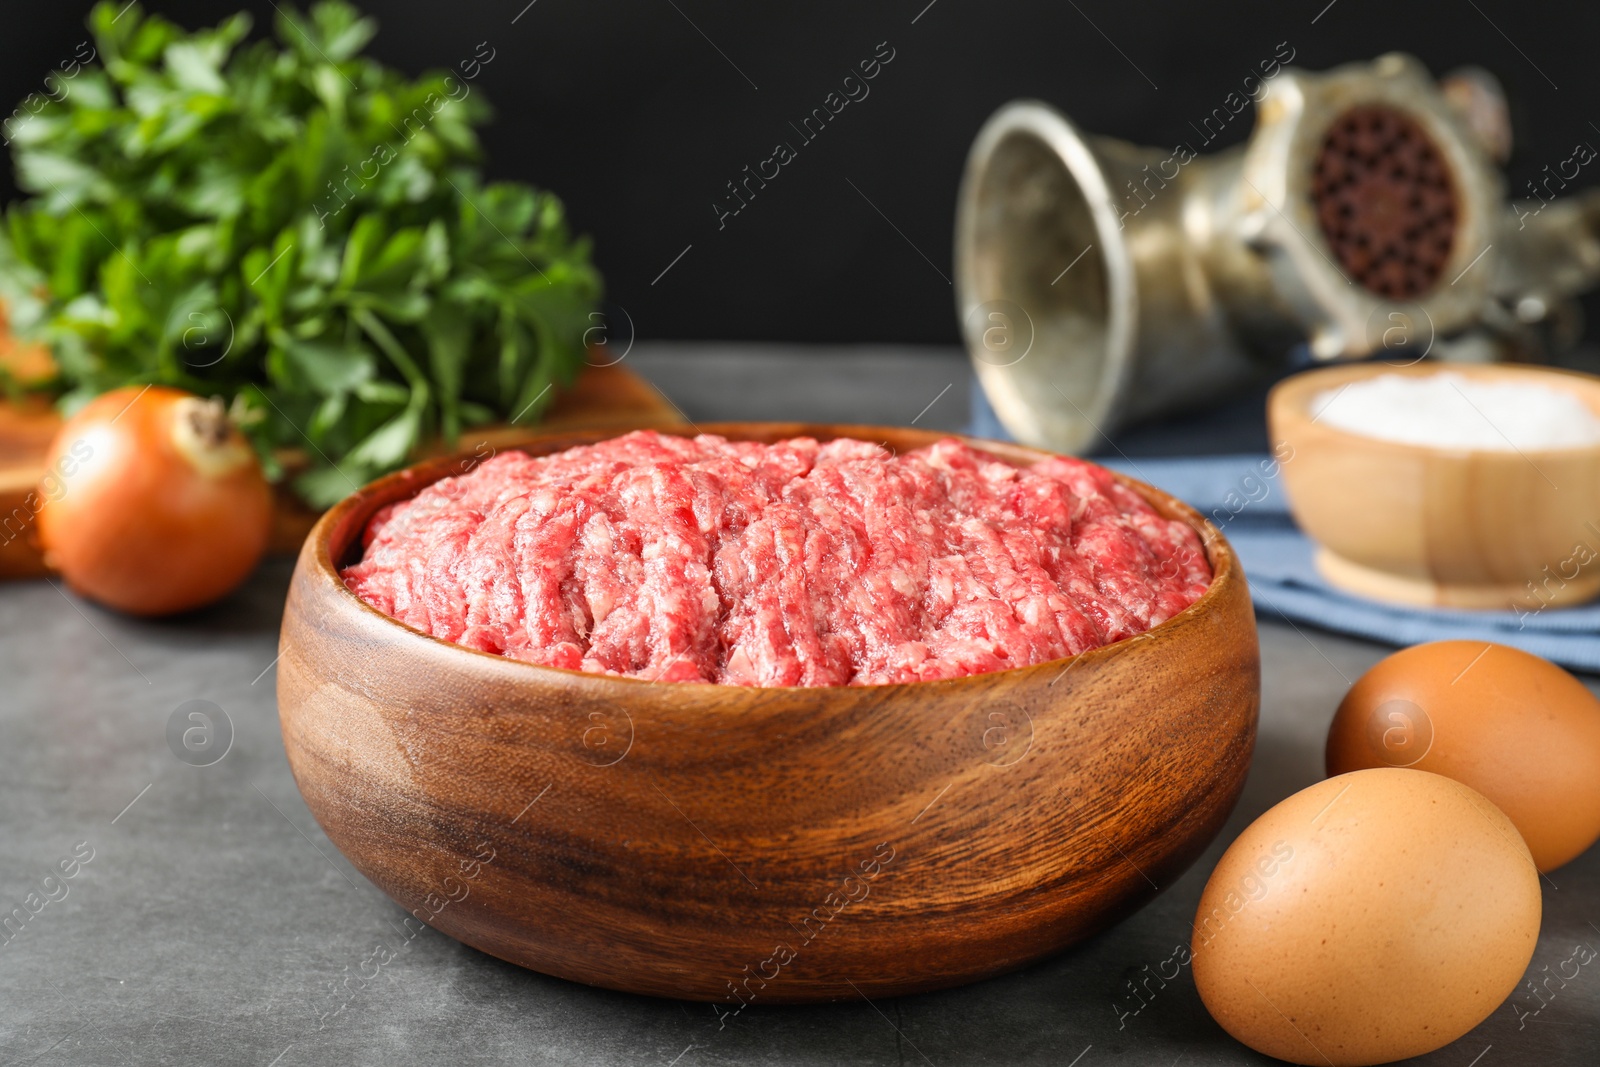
1099,282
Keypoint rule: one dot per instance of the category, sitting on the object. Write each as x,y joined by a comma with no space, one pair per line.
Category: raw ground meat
792,564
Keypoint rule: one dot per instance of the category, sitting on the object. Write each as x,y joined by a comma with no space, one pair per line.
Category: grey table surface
216,924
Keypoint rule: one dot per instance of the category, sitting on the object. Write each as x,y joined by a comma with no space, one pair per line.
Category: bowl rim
1293,395
350,516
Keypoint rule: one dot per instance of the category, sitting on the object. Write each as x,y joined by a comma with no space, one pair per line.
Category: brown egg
1374,916
1517,728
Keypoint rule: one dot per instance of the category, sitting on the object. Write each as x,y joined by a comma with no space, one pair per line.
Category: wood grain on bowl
769,845
1494,529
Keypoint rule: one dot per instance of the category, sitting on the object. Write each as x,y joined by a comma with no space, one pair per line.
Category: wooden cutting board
603,397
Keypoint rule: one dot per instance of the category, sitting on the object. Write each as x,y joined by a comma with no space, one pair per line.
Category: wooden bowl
781,845
1463,528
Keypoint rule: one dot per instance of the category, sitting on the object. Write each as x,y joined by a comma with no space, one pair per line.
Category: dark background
637,119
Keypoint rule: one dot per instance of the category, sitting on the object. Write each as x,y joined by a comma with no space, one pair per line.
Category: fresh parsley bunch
292,226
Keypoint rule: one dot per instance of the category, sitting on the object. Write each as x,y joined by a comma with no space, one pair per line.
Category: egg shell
1517,728
1371,917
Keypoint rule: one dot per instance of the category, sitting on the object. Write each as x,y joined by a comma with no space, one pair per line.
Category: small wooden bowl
779,845
1460,528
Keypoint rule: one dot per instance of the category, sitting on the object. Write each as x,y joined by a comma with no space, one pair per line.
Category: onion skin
152,502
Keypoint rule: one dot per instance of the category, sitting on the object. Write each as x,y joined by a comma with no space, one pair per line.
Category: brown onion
153,502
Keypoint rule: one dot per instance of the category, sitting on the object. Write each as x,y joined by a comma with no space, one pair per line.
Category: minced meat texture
792,564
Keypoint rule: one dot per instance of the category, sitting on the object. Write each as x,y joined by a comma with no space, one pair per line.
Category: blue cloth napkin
1243,495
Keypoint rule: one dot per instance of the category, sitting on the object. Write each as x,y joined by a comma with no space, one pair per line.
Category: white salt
1449,410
